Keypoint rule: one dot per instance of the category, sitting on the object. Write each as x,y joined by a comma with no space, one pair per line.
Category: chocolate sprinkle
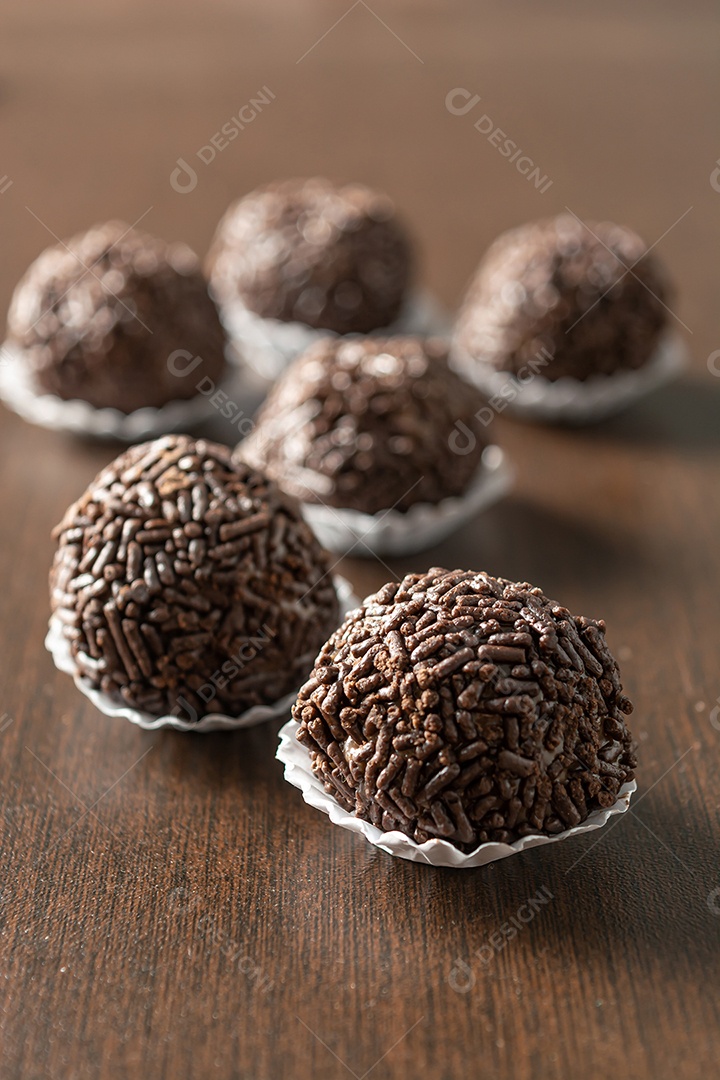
554,300
98,317
368,425
186,584
306,251
460,706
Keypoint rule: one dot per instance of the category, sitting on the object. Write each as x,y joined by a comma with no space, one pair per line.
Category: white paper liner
391,532
572,400
59,648
298,772
269,345
82,418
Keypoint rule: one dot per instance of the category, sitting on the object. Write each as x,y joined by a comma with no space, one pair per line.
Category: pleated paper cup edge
425,524
298,772
59,650
575,400
79,417
256,338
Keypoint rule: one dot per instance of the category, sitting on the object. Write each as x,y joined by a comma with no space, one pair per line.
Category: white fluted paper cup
298,772
59,648
573,401
81,418
392,532
269,345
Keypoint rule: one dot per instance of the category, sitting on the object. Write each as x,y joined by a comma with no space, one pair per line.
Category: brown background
170,907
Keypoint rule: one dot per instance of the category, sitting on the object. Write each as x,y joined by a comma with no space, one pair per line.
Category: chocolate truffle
186,584
370,424
460,706
99,317
558,298
306,251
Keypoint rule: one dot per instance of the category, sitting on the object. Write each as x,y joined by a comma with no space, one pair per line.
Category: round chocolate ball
559,299
461,706
370,424
114,317
307,251
186,584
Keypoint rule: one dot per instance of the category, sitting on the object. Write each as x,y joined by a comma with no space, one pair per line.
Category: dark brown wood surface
170,907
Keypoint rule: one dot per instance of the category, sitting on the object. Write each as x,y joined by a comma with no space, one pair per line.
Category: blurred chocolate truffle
559,298
334,258
100,317
370,424
186,584
464,707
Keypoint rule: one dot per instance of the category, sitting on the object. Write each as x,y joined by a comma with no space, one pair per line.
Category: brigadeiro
185,584
305,251
370,424
100,317
458,706
560,299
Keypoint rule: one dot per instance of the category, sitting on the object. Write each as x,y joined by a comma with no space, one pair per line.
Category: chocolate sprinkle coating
97,318
552,299
186,584
306,251
368,424
460,706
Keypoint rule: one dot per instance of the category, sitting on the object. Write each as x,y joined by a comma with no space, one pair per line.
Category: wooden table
170,906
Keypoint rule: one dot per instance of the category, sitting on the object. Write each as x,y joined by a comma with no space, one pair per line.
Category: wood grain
169,906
